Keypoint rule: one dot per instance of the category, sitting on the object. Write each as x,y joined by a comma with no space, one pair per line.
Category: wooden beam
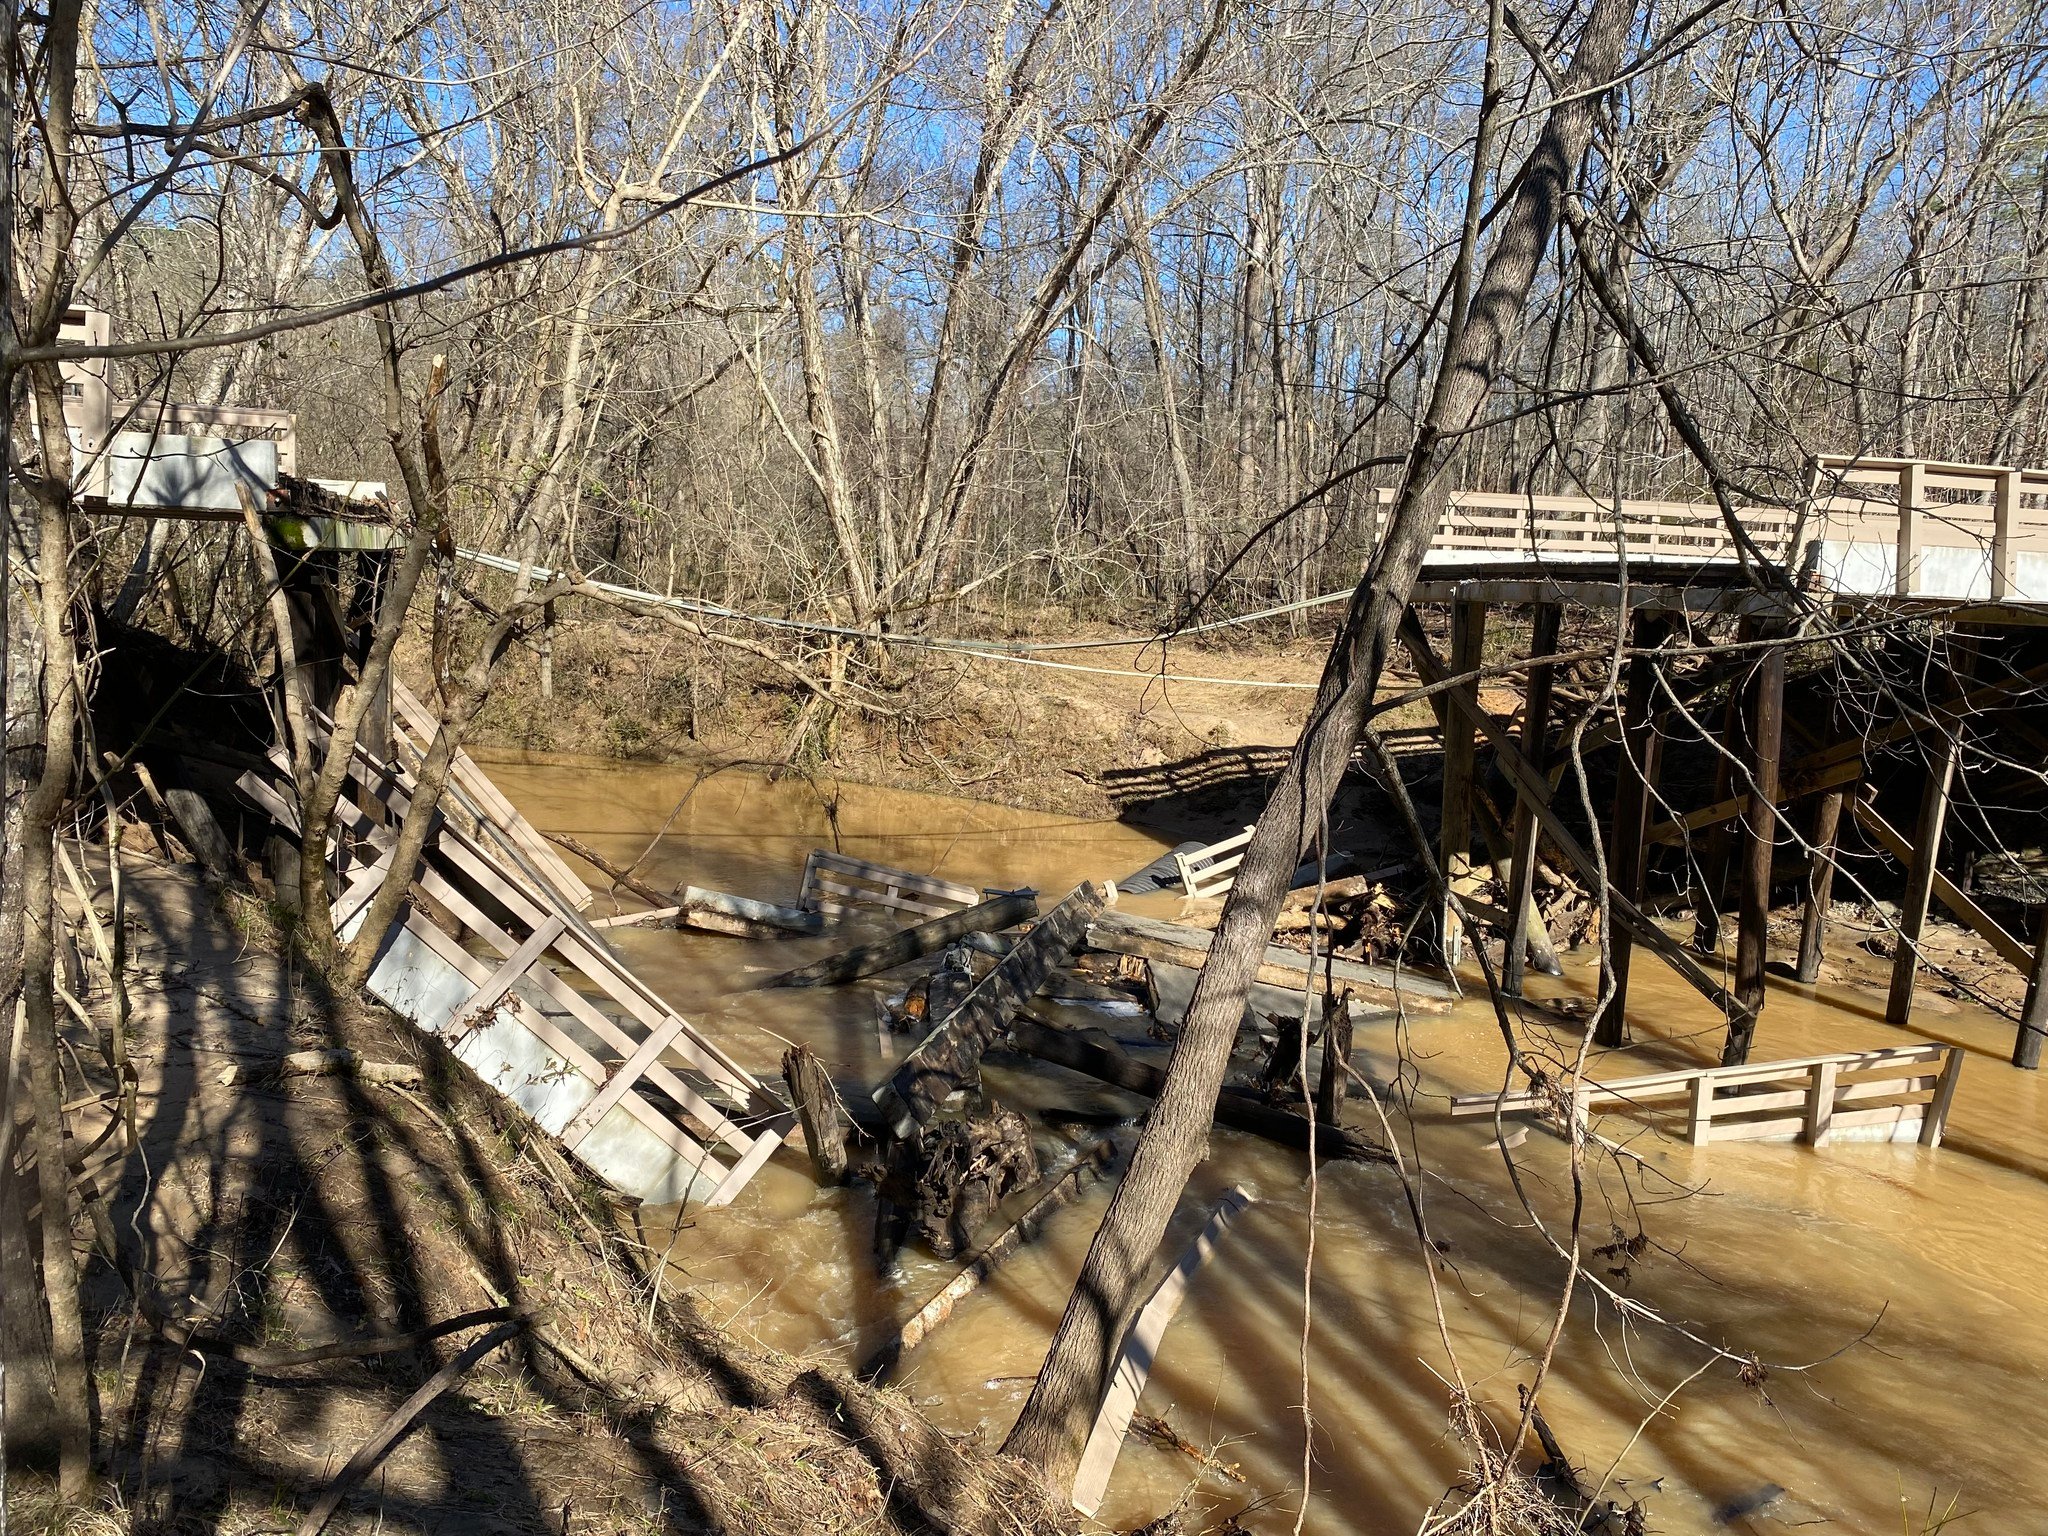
1794,785
1627,853
1134,1359
1759,840
1123,933
1820,883
1468,646
1946,891
1535,740
1920,876
912,943
2005,527
1710,870
1912,492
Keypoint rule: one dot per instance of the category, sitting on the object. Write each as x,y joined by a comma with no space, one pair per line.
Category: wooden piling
1332,1083
1820,882
1535,741
1920,873
817,1108
1628,845
1468,646
2026,1047
1711,873
1760,836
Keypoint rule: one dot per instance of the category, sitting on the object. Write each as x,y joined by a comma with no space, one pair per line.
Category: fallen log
1058,1191
741,916
1235,1108
910,944
623,878
950,1056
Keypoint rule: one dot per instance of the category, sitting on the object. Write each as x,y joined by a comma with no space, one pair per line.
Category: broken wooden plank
1056,1191
1140,1348
913,943
1176,944
950,1056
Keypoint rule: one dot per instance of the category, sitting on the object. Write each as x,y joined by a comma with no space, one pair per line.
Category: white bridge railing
1872,527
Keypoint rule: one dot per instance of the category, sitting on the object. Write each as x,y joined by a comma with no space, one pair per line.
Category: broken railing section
949,1058
835,884
1138,1351
641,1098
1900,1094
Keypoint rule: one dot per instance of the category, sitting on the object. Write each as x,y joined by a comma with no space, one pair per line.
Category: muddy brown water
1897,1297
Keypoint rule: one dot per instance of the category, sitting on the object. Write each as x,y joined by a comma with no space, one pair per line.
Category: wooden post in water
1468,645
1760,836
1627,844
1711,875
1920,875
1820,883
2026,1048
1522,845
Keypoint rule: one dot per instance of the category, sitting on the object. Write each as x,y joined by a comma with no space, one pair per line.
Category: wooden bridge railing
1901,1093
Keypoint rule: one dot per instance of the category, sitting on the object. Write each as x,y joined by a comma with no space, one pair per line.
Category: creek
1893,1294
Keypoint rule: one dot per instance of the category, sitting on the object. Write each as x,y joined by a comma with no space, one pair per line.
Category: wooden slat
1134,1358
621,1080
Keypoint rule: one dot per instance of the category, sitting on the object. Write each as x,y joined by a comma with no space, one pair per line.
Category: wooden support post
1535,742
1912,492
2005,524
1332,1083
1700,1118
1820,883
1468,646
1820,1102
1935,1118
1920,875
817,1110
1627,845
2026,1047
1760,836
1711,875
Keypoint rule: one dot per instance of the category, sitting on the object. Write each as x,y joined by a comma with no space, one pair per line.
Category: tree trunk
1050,1432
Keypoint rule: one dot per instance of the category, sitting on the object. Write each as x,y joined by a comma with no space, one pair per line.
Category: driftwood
944,1181
950,1056
1055,1192
817,1108
339,1062
910,944
742,916
623,878
1235,1108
